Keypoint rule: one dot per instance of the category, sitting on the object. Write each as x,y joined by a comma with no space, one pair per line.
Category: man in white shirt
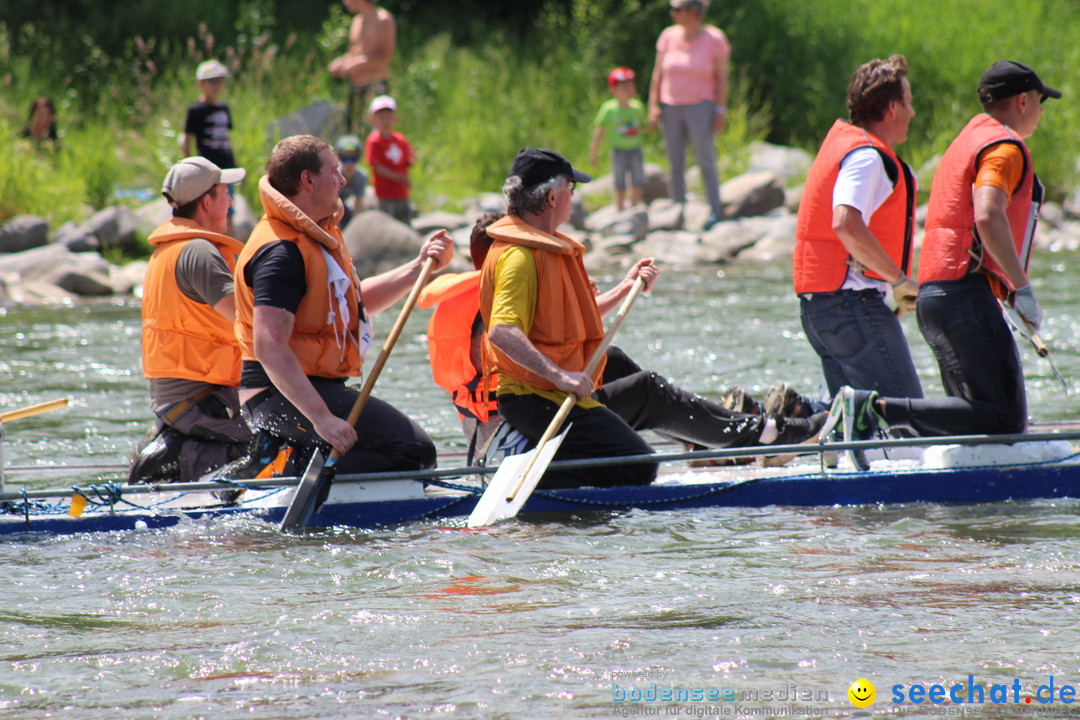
853,238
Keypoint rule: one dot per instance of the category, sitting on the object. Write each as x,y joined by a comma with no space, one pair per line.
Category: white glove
1024,302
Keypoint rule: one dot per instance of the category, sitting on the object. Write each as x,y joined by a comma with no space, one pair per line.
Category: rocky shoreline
39,267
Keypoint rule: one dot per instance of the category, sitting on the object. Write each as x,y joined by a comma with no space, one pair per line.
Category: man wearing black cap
190,353
544,322
984,204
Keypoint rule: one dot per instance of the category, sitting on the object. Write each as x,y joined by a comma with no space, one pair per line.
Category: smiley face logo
862,693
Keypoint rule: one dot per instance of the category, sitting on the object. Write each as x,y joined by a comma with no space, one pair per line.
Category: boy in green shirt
625,116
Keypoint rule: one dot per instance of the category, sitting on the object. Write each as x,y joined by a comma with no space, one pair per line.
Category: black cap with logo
535,166
1006,78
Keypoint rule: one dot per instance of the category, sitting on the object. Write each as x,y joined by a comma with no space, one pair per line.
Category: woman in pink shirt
688,94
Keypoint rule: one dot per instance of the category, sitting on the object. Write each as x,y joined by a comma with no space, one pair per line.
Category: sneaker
861,420
738,400
711,221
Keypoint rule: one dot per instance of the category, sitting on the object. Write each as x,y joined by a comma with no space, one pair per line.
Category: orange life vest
951,243
456,299
821,260
322,345
567,327
182,338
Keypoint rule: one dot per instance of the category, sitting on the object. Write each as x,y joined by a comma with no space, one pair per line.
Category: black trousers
979,362
388,440
596,432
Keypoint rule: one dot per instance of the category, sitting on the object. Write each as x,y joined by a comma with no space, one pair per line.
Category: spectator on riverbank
366,63
622,118
853,238
349,150
208,123
189,350
390,156
41,123
688,95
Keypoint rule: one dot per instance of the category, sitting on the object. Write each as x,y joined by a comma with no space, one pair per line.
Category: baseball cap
689,3
535,166
620,75
383,102
347,144
1006,78
211,69
192,177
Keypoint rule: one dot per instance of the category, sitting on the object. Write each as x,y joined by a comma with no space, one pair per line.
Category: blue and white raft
970,469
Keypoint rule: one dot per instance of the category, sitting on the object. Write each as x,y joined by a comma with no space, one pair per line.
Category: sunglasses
349,157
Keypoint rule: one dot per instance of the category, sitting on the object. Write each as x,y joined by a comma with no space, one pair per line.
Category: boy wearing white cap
189,349
390,155
206,129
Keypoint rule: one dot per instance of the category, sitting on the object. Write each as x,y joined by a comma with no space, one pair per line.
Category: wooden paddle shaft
388,345
33,410
570,401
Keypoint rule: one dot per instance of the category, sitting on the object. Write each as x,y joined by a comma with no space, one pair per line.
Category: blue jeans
860,342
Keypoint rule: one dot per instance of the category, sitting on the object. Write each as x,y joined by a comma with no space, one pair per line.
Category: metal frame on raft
431,494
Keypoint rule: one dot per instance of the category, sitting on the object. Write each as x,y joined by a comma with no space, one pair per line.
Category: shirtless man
372,36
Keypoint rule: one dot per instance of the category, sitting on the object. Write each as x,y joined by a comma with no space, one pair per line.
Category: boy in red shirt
390,155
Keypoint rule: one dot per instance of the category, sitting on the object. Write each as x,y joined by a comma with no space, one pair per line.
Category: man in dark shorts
303,319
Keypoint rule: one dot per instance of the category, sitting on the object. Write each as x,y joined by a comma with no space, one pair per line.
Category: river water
769,612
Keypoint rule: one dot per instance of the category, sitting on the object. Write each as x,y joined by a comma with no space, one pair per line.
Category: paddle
27,411
315,484
33,410
518,475
1025,329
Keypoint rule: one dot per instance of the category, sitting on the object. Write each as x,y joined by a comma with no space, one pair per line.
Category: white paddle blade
493,505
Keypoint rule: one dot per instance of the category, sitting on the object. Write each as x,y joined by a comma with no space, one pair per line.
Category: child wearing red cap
625,116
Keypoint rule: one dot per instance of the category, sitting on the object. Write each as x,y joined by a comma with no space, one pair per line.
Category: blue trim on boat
952,486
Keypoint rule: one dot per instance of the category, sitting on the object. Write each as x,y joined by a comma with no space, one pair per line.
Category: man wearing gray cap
189,349
984,204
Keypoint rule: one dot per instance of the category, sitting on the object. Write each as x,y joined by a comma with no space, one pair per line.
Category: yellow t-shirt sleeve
516,286
1000,166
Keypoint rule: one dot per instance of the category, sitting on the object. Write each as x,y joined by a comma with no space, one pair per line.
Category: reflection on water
530,619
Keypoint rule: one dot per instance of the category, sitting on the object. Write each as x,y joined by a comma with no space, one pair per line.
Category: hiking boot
158,461
738,400
265,458
793,431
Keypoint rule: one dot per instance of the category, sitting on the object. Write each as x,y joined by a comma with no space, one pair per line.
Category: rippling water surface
780,608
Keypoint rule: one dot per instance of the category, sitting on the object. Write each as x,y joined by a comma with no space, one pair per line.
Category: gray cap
192,177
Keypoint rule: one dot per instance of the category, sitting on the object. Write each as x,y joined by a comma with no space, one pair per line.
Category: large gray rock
23,232
679,248
610,221
114,226
786,163
75,238
243,218
776,238
378,242
127,279
751,194
438,220
152,214
665,214
656,184
324,119
730,238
